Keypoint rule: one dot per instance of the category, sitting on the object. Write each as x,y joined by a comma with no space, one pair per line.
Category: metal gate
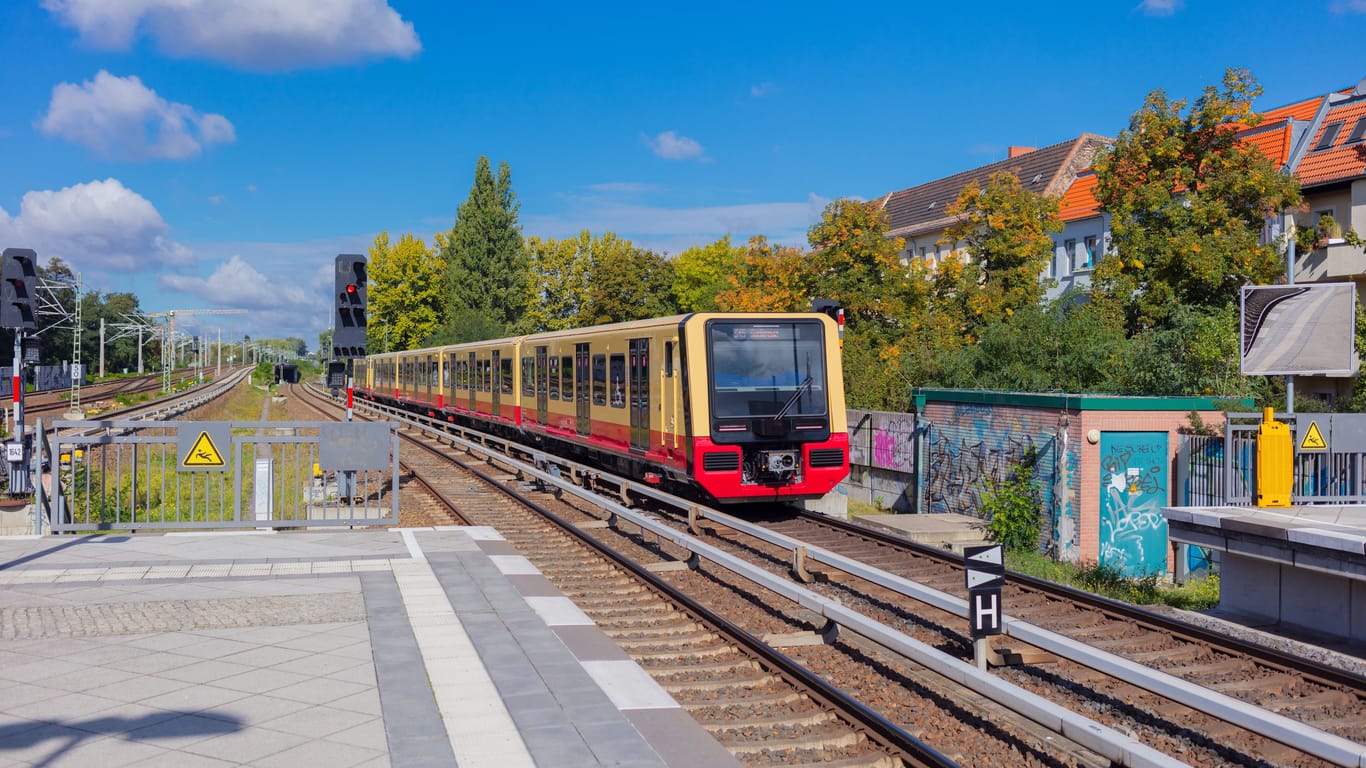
162,475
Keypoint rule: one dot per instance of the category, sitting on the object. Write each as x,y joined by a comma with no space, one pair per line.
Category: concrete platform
1302,567
945,531
354,648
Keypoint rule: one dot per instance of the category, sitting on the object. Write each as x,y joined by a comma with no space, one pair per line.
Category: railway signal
20,275
348,332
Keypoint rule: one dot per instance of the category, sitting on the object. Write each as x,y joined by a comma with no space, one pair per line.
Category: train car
746,407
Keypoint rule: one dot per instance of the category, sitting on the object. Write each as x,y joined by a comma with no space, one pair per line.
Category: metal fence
162,475
1329,461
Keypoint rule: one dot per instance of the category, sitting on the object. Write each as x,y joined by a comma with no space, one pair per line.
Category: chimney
1014,152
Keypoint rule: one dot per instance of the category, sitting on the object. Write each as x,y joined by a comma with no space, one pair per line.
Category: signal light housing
349,325
18,279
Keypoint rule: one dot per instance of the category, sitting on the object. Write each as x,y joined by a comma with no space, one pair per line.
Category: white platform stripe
480,730
191,571
629,686
558,611
514,565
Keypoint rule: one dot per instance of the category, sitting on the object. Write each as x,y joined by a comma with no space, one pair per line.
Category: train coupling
778,462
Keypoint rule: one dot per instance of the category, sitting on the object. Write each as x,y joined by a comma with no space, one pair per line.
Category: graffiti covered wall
971,446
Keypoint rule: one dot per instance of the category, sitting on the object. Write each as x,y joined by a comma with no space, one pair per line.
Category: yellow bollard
1275,462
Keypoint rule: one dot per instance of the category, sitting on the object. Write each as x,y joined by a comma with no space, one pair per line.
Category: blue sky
220,153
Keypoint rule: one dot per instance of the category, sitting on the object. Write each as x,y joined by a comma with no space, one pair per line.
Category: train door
542,386
667,425
473,380
581,387
496,384
638,398
429,373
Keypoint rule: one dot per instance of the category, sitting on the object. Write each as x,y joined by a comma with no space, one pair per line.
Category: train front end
768,419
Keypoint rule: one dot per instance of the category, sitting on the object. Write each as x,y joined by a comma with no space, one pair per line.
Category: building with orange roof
918,213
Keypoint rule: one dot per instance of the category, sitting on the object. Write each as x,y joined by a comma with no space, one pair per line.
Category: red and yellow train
746,407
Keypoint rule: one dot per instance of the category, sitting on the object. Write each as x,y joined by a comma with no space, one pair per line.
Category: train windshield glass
768,368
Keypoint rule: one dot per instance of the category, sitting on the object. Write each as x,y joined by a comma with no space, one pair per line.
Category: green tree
702,272
558,282
1003,229
1187,203
626,283
486,269
406,295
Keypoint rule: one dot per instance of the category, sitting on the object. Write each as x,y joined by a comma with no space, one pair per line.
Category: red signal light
351,289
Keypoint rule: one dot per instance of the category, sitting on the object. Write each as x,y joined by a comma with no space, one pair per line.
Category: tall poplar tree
486,264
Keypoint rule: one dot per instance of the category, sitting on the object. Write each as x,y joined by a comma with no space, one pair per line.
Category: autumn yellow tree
1001,244
1188,202
406,295
770,278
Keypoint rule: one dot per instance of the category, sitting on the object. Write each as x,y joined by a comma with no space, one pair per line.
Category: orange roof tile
1273,139
1300,110
1340,160
1079,202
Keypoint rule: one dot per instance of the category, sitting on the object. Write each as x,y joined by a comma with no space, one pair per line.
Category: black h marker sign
984,572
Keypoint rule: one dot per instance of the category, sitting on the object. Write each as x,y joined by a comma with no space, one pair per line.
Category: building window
1330,134
924,253
1358,132
1069,251
1088,252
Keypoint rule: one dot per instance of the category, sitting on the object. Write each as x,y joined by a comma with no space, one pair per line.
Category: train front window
767,368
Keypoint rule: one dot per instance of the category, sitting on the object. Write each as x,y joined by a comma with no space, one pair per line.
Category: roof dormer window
1358,132
1330,135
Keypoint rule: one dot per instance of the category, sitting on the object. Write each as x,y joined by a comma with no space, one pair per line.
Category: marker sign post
984,572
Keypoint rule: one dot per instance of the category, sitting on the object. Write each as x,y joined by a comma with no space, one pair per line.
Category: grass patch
857,508
1107,582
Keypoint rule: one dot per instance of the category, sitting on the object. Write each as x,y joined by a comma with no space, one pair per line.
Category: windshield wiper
791,401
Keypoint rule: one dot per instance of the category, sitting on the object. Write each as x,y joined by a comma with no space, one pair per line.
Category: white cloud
671,146
122,118
672,230
238,285
762,89
1161,7
1348,6
100,225
258,35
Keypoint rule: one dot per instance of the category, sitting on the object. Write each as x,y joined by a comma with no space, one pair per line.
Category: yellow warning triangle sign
203,453
1313,439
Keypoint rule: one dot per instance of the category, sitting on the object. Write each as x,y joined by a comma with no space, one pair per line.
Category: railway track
967,726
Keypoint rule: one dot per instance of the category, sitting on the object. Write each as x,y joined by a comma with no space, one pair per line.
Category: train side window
567,382
618,381
599,379
528,376
554,364
669,359
505,374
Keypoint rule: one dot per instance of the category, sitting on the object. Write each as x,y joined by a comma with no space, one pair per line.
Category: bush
1013,506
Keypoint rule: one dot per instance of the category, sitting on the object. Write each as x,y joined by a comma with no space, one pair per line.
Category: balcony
1334,260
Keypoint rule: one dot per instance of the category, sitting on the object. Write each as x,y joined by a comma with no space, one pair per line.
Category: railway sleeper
1274,684
815,717
654,630
1201,672
740,697
759,682
1181,653
1322,700
719,649
697,635
845,739
737,665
